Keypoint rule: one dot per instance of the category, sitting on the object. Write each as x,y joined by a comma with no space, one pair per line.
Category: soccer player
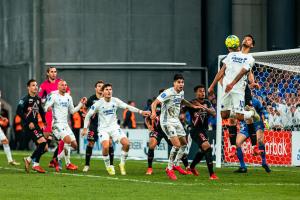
61,103
28,109
5,143
46,88
199,128
156,134
92,136
108,127
170,101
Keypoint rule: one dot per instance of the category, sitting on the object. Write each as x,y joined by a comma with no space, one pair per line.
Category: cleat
179,169
111,170
267,168
213,177
256,151
256,117
232,152
56,165
26,164
13,163
188,171
122,169
171,174
241,170
51,164
195,171
86,168
71,166
149,171
38,169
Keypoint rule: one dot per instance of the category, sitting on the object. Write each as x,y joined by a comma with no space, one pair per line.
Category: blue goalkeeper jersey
260,109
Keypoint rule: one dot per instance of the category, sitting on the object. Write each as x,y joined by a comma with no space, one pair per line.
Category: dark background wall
33,32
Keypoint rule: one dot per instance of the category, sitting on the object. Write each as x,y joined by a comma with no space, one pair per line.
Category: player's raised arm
77,108
124,105
217,78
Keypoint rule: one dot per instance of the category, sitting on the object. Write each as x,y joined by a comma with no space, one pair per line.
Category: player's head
62,86
131,103
107,90
51,73
200,91
178,82
98,87
32,87
248,41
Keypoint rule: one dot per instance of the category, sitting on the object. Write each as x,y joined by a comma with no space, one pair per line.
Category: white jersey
107,112
62,106
235,62
170,105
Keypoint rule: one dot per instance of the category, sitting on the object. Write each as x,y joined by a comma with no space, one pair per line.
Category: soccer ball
232,41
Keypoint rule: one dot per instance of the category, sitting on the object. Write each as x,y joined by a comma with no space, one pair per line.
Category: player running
170,101
92,136
199,128
108,127
29,107
62,105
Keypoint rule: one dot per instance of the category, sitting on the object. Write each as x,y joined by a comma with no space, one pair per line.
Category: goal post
278,73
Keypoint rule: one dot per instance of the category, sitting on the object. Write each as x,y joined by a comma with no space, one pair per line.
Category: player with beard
199,128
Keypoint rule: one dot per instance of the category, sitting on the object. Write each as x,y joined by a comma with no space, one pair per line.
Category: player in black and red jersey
28,109
199,128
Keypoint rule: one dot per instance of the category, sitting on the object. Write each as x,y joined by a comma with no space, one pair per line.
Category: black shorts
248,96
35,133
159,135
198,136
93,135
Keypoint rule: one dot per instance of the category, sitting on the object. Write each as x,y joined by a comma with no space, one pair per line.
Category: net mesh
278,75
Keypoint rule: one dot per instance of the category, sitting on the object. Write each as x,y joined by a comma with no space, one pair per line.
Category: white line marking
163,183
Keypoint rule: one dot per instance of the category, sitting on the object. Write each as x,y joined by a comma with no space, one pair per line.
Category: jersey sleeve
226,59
249,63
89,102
90,113
71,106
165,95
42,92
41,111
20,110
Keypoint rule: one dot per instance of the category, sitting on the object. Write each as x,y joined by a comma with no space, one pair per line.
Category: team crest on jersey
30,100
93,107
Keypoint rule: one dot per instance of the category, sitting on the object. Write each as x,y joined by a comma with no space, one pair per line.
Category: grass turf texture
282,183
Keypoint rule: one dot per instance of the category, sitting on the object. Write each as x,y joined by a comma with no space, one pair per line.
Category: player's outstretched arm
77,108
87,119
123,105
217,78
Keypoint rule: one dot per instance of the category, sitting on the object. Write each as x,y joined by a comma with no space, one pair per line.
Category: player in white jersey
170,101
62,105
108,127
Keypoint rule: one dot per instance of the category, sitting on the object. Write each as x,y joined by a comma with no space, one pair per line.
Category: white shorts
233,101
116,134
2,136
172,130
61,130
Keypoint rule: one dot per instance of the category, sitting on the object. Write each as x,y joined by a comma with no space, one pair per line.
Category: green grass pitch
282,183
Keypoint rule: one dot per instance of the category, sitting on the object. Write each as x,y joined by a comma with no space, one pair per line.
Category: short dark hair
106,85
30,81
250,36
198,86
161,91
178,76
100,81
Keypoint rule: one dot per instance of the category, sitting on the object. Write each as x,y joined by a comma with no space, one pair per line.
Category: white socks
7,152
67,152
172,156
106,161
123,157
179,155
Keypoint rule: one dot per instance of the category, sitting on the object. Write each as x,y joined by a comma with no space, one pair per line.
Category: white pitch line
163,183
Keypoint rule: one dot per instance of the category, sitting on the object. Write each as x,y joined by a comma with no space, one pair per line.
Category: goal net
278,74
